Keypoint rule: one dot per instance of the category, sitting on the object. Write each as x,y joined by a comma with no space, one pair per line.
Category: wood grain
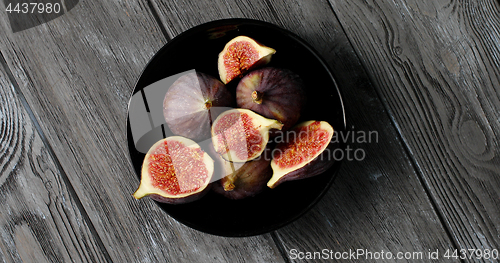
40,220
436,64
375,204
77,73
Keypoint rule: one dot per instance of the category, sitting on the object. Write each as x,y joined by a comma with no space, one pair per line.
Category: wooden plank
375,204
77,73
40,220
436,63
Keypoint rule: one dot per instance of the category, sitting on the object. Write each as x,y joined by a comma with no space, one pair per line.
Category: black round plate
198,49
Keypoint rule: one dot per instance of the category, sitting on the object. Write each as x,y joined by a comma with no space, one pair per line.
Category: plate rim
228,22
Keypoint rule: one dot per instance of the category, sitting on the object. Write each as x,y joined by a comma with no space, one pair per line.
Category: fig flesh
274,93
306,152
192,103
175,170
242,180
240,55
240,135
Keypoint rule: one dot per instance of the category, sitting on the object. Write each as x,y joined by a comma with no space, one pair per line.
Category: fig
304,153
192,102
240,55
175,170
240,135
274,93
242,180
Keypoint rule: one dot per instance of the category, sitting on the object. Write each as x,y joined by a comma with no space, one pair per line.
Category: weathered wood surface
375,204
40,218
434,64
437,66
77,73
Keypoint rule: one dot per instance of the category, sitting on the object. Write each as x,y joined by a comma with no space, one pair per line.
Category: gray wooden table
425,75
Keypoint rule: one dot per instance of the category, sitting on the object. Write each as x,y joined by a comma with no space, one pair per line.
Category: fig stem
228,186
229,183
257,96
208,104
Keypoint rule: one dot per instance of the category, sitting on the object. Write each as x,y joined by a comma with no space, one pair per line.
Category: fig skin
308,168
273,93
147,185
240,55
193,102
184,200
242,180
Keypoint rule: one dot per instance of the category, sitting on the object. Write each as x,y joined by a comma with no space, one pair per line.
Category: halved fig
175,170
274,93
240,55
306,152
192,102
240,135
242,180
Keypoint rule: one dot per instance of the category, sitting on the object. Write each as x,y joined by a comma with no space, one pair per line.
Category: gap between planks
64,176
405,145
158,21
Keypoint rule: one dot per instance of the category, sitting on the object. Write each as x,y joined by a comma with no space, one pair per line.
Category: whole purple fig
242,180
193,102
273,93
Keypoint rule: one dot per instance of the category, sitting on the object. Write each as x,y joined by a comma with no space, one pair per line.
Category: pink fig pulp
306,152
240,55
240,135
175,170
